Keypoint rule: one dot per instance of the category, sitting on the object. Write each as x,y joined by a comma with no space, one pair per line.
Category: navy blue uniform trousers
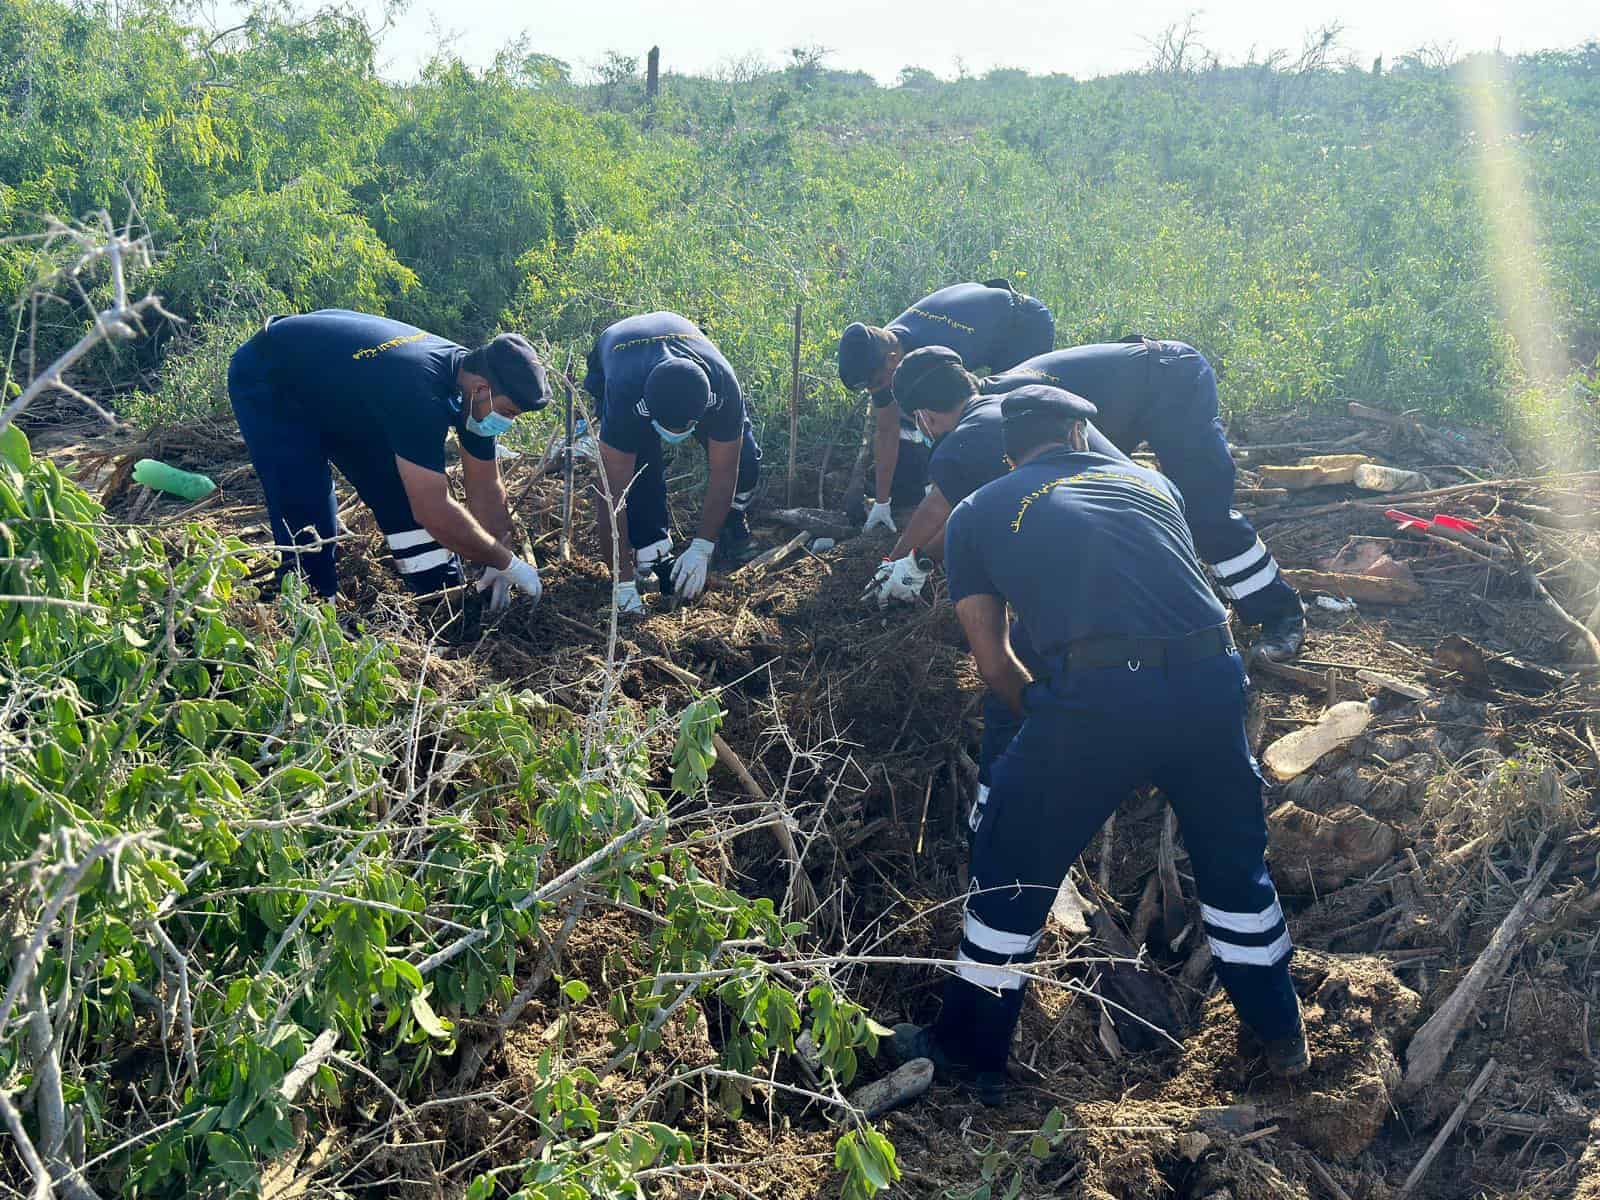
1090,738
1185,431
647,498
291,453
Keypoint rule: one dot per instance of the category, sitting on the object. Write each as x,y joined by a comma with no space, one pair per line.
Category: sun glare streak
1521,282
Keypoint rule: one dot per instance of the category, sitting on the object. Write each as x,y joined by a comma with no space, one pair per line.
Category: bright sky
1079,37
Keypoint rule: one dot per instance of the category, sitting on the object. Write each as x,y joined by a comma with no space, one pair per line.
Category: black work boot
1288,1056
918,1041
735,547
1282,638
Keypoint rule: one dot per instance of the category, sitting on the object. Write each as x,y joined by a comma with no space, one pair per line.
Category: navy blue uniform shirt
1081,545
1115,377
369,377
623,358
972,319
974,452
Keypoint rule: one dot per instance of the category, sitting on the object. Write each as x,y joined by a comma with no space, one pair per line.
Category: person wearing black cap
376,398
658,379
1165,393
1138,683
934,388
990,325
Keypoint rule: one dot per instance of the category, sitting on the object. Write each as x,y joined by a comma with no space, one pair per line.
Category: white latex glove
903,583
498,582
879,578
880,515
689,571
645,556
626,597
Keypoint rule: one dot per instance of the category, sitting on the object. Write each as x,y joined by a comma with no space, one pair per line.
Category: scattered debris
1299,751
1368,589
1320,470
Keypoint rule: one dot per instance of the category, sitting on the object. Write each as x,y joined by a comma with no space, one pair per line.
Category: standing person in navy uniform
1139,683
659,379
990,325
1165,393
376,398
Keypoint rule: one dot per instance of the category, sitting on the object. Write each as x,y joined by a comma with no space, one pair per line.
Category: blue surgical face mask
493,424
670,438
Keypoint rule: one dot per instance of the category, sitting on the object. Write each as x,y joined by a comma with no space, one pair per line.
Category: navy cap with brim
677,393
862,351
514,371
932,377
1036,413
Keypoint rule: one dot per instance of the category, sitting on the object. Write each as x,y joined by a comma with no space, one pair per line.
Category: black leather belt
1089,654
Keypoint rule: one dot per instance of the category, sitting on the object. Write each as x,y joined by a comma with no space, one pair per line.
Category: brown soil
860,723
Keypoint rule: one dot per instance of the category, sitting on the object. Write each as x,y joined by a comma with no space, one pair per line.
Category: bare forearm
491,511
1007,678
886,454
624,549
455,528
925,531
719,501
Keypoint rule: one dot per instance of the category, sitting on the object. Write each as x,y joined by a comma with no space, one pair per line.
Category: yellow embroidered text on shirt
1075,480
374,351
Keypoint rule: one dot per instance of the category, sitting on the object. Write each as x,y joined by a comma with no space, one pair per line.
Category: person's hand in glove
626,597
902,581
498,582
689,571
880,515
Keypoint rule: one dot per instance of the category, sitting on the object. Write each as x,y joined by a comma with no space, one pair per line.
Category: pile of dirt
1398,855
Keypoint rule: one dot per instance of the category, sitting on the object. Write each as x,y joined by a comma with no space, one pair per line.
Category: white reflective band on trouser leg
1252,956
1236,922
409,540
1251,584
1232,566
982,975
423,562
975,813
998,941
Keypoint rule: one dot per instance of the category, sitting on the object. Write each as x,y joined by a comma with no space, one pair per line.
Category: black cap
1037,413
677,392
932,377
862,351
514,371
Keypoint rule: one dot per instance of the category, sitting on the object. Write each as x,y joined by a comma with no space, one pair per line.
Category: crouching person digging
1139,683
658,379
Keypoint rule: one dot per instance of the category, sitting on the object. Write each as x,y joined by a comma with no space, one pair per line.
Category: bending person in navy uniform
1139,683
968,452
933,387
1165,393
659,379
376,398
990,325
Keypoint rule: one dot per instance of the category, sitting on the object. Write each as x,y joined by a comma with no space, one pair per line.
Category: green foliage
213,806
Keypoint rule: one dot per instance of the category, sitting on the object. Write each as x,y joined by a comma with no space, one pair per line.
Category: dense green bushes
1320,232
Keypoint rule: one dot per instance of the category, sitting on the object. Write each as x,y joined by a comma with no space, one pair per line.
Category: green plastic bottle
163,478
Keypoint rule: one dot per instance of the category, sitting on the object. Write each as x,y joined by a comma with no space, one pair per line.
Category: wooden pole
794,404
652,80
567,467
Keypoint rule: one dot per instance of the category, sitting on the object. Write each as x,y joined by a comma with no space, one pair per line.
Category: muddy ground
1398,856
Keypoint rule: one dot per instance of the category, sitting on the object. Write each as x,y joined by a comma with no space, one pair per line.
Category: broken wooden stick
1474,1090
1432,1045
800,887
1366,589
767,557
